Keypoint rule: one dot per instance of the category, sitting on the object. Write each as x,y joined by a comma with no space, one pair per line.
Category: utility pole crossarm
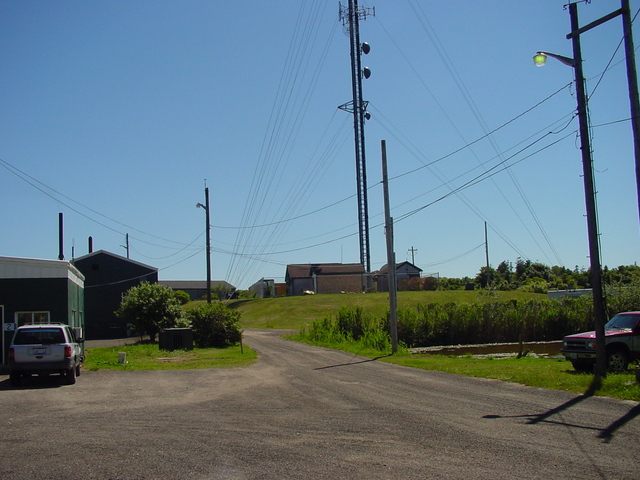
577,32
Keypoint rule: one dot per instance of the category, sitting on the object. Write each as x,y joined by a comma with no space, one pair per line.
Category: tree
150,308
485,277
214,325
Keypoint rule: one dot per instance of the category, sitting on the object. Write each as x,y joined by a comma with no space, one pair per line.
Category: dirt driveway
309,413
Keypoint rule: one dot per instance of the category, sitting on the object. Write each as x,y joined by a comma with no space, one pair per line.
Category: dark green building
39,291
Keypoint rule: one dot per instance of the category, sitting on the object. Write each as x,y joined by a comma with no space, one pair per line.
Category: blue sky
116,112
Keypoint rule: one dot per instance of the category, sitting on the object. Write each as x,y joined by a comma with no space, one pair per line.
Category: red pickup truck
622,339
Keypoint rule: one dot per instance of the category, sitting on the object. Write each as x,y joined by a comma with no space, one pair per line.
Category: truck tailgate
38,353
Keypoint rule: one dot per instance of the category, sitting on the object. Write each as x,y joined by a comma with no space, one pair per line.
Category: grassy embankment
294,313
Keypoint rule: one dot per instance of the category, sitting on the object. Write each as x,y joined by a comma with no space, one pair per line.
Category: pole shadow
354,363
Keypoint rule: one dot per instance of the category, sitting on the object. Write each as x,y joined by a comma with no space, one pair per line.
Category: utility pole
486,244
208,240
391,256
632,80
413,250
587,161
350,16
126,244
590,196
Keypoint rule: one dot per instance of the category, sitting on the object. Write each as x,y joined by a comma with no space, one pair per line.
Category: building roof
118,257
193,284
385,268
17,267
307,270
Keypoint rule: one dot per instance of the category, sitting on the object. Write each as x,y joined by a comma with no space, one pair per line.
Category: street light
206,209
540,59
589,189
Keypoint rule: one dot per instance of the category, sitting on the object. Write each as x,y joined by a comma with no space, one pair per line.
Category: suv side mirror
77,332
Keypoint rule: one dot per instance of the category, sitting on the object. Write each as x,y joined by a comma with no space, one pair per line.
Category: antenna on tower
350,16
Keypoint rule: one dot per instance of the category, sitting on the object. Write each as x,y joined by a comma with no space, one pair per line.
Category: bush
150,308
214,325
623,297
182,296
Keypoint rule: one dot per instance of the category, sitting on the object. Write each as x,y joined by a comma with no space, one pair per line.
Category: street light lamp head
199,205
539,59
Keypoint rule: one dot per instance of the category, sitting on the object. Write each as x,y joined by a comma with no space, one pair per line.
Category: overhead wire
278,142
47,189
442,53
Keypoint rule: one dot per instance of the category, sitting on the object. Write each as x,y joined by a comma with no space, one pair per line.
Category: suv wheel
14,379
617,360
71,376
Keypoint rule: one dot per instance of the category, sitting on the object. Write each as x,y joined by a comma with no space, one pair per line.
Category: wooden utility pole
486,244
391,256
413,250
590,193
632,81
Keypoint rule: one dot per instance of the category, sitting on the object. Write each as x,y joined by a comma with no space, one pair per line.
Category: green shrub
150,308
182,296
214,325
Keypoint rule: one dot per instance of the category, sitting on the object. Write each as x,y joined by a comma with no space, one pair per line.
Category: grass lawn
555,374
293,313
147,356
551,373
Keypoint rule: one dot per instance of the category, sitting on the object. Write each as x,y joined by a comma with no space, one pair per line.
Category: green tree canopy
150,308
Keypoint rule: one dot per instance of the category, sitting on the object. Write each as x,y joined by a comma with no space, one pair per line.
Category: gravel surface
304,413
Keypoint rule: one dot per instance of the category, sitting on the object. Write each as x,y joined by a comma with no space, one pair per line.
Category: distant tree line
537,277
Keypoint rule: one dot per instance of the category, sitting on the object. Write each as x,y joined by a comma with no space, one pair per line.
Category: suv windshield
622,322
39,336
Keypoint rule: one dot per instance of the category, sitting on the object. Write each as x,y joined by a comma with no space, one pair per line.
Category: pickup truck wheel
78,370
617,361
14,379
71,376
582,366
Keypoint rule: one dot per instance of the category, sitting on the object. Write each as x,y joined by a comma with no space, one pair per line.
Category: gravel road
305,413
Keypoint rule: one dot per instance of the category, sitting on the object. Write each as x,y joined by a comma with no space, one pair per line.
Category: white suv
45,349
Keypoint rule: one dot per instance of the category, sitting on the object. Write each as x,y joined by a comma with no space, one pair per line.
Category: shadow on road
596,383
354,363
606,433
35,382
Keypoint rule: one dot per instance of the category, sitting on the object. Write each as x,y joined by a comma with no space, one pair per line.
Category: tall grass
459,323
350,325
493,322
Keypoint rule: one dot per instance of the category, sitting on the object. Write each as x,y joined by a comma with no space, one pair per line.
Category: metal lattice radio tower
350,16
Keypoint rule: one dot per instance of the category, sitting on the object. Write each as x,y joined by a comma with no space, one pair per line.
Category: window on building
32,318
